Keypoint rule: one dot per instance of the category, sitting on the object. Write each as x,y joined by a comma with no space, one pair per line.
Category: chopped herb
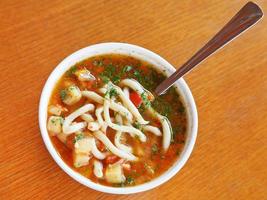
115,79
154,149
137,74
127,68
72,70
137,125
130,180
142,109
104,78
63,94
145,99
111,92
163,107
78,137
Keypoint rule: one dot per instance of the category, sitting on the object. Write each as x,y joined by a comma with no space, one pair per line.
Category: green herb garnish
129,180
145,100
78,137
72,70
137,125
104,78
127,68
63,94
154,149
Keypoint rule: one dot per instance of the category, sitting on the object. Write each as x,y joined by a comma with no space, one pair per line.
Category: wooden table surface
229,160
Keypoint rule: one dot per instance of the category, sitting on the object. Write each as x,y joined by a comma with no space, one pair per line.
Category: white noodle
98,154
118,135
155,130
126,92
136,86
68,128
103,138
166,128
129,104
121,128
98,114
87,117
114,106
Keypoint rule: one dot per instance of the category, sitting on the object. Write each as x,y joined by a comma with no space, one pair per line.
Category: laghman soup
107,125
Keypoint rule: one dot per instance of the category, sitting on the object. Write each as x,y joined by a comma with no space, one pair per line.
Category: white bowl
138,52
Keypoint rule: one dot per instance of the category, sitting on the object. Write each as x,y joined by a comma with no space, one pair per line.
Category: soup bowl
140,53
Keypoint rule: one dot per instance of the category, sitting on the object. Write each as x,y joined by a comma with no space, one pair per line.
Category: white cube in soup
72,95
54,124
80,159
114,173
83,145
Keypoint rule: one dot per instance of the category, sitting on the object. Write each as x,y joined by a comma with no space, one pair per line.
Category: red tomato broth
153,161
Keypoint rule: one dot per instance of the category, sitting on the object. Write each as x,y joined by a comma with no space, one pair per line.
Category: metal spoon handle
246,17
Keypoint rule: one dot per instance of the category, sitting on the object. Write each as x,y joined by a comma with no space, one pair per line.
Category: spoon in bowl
245,18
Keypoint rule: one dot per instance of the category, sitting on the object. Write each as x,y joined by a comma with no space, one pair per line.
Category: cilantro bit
78,137
104,78
72,70
127,68
130,180
154,149
62,94
137,125
145,100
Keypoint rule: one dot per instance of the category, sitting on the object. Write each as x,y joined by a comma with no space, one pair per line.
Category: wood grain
229,159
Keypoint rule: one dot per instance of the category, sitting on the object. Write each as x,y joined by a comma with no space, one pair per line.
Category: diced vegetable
80,159
136,99
54,125
83,145
71,95
114,173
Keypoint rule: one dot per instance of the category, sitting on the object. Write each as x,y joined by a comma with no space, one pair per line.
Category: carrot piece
136,99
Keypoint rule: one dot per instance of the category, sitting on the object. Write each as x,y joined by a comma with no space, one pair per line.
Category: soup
106,124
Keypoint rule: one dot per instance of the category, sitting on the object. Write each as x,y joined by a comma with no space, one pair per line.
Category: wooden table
229,160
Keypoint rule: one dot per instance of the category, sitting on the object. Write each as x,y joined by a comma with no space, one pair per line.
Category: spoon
245,18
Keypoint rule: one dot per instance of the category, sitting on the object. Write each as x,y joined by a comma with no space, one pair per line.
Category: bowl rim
44,99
